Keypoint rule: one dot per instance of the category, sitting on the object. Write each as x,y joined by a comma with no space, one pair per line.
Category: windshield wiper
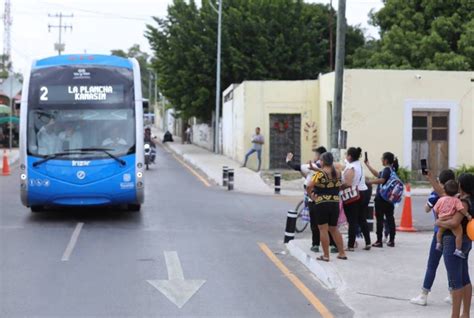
104,150
54,156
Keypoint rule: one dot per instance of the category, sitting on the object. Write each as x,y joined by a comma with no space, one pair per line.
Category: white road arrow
176,288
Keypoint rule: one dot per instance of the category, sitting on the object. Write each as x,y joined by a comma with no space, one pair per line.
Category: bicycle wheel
301,224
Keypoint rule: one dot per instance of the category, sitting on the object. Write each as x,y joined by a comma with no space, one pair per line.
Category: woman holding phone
384,208
458,268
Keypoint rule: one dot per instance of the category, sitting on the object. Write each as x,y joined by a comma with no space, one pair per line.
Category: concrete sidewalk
245,180
380,282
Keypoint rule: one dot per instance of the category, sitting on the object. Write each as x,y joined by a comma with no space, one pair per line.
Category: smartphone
366,157
424,167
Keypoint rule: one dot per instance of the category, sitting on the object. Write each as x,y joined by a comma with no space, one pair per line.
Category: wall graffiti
311,133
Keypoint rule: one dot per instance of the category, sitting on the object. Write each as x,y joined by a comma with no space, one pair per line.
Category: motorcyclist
148,139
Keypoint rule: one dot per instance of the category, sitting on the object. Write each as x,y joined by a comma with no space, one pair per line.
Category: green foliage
261,40
143,60
421,34
405,175
464,169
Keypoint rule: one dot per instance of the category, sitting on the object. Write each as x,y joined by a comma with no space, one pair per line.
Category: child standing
446,208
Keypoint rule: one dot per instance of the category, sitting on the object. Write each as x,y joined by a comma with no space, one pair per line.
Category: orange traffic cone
6,166
406,224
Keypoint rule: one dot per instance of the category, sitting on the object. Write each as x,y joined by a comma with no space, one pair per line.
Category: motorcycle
149,155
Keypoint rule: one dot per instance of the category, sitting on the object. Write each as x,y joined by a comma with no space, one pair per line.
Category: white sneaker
449,299
421,299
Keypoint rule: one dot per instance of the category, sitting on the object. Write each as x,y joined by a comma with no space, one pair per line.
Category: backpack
392,190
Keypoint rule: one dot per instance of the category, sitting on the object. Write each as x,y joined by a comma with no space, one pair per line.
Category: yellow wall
375,115
272,97
375,111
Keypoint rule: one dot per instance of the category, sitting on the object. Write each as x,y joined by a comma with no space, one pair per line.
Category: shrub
405,175
464,169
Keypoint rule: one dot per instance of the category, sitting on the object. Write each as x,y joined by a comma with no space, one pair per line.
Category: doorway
285,136
430,135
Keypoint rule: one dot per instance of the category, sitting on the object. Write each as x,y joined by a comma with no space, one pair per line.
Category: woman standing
324,191
384,208
434,255
353,180
307,173
458,268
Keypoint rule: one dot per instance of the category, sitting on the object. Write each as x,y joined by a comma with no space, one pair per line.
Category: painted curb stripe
206,183
317,304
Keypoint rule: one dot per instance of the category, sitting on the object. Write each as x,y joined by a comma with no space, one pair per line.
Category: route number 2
44,93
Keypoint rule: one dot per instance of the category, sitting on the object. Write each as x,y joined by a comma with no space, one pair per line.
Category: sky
99,26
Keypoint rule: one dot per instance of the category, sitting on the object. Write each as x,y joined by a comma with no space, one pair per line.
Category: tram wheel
134,207
37,208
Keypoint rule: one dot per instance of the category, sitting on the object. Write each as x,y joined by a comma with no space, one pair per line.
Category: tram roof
83,59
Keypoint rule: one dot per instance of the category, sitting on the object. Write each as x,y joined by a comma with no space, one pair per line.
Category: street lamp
218,77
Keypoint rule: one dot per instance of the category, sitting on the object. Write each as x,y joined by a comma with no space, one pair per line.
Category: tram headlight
139,174
23,176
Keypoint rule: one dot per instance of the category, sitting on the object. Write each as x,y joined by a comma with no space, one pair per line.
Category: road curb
326,273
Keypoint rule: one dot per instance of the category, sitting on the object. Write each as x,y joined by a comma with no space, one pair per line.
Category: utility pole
331,36
339,76
218,79
7,48
60,46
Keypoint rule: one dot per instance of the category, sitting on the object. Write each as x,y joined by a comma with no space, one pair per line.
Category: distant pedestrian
324,191
434,254
384,208
189,133
257,144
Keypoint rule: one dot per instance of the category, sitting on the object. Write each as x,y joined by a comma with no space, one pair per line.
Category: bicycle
302,216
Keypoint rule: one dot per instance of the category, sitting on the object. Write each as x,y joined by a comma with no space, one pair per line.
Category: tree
421,34
144,61
261,40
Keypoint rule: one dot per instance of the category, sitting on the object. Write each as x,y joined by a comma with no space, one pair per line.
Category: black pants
356,214
384,209
314,226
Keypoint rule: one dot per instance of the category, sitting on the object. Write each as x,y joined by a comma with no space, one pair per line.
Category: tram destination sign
55,94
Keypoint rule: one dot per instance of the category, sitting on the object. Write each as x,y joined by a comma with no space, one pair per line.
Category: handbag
351,194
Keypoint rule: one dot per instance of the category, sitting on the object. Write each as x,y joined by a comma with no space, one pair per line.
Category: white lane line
72,242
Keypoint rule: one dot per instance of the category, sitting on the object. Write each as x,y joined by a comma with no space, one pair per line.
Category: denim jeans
433,262
259,156
457,268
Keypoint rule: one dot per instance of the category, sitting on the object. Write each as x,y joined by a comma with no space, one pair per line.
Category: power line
102,13
59,46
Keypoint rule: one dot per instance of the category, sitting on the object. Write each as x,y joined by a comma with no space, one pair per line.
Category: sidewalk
245,180
380,282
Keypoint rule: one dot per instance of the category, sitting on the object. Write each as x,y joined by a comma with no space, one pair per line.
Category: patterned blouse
326,188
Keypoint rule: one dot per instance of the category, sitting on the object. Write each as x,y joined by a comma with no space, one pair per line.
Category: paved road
215,235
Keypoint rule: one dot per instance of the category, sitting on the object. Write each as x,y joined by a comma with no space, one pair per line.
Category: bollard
290,226
370,216
230,181
277,177
225,175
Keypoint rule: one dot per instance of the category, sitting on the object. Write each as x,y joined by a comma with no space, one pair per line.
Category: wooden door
430,141
285,136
